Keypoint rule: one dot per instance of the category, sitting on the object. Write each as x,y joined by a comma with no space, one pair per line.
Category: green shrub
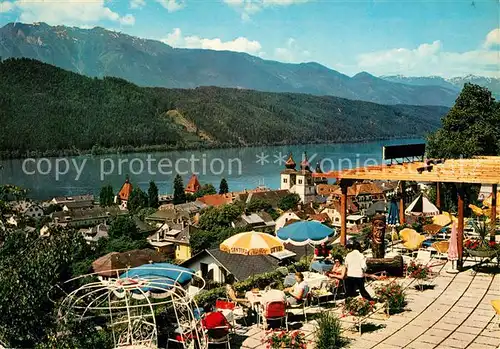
328,332
393,295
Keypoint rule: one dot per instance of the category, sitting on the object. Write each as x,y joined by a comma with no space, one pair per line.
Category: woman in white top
355,263
298,291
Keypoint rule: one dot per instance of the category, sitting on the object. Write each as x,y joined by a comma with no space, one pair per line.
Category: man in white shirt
298,291
355,263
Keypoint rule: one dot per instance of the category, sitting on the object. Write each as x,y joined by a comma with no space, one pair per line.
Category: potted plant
393,296
279,339
419,272
480,247
328,332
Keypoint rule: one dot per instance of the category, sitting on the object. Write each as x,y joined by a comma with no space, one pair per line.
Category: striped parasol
252,243
421,206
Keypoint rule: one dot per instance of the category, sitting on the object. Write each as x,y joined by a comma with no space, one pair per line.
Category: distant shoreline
8,155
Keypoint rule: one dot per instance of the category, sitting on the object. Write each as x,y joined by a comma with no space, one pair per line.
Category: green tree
258,205
106,196
179,194
123,226
137,200
471,127
219,217
30,267
153,195
289,202
206,189
223,186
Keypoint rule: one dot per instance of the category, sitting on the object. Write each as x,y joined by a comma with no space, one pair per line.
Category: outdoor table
321,266
314,280
254,298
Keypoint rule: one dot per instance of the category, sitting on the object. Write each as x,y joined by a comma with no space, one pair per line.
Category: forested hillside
52,111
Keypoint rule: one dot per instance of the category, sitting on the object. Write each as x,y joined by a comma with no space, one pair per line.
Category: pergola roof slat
480,170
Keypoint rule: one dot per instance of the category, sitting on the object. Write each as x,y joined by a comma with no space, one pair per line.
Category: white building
300,181
285,217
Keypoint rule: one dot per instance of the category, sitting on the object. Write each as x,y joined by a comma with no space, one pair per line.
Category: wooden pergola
479,170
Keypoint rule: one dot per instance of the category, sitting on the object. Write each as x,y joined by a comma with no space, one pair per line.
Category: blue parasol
304,233
393,215
165,275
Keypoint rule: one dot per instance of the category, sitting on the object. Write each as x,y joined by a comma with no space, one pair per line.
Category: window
337,219
300,181
204,270
285,180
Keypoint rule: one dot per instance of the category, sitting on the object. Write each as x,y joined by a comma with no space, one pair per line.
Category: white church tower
299,181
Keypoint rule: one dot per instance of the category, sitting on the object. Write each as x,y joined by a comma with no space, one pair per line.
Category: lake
244,168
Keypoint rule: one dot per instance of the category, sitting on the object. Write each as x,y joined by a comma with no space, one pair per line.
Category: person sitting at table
231,293
298,291
322,252
338,271
215,322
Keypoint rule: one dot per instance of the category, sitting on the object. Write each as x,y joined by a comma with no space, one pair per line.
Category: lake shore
55,153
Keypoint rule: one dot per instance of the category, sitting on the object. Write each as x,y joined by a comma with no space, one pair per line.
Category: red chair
224,304
275,311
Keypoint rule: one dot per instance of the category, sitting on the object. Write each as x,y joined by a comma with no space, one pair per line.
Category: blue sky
415,38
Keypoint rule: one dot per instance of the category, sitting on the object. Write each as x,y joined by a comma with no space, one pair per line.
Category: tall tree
206,189
153,195
123,226
106,196
289,202
137,200
223,187
471,127
179,194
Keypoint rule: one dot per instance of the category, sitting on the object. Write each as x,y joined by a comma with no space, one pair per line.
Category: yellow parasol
477,210
487,201
252,243
444,219
411,239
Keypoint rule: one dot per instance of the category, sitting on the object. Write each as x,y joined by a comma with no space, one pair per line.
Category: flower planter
482,253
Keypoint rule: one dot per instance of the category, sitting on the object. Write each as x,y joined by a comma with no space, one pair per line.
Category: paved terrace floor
456,313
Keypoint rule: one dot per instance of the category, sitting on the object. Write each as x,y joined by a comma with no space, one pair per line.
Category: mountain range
45,110
99,52
455,83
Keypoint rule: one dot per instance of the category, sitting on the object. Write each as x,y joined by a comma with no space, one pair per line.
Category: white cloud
172,5
137,4
6,6
493,38
68,12
250,7
432,59
291,53
127,20
240,44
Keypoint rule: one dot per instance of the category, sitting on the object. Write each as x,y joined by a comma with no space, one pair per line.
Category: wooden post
438,195
402,203
343,214
460,230
493,218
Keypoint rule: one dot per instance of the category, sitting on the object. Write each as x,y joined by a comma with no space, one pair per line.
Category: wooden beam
402,203
493,216
460,230
438,195
343,214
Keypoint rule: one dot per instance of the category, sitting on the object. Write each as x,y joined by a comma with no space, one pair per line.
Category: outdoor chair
303,304
274,311
213,339
237,311
326,285
441,248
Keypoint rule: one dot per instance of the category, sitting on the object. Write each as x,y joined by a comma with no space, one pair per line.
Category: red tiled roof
320,217
193,185
217,199
361,189
326,189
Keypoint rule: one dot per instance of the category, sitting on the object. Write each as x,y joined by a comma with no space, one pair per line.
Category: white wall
212,265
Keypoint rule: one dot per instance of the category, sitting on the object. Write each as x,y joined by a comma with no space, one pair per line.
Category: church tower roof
304,165
193,185
125,190
290,163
